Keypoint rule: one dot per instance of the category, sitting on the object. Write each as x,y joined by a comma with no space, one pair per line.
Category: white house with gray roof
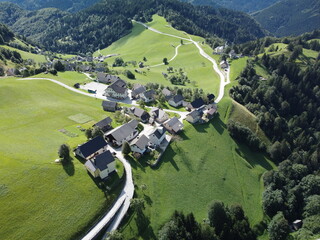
173,125
157,136
139,144
101,165
117,90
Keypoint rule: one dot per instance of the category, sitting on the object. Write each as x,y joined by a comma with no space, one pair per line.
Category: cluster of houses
200,112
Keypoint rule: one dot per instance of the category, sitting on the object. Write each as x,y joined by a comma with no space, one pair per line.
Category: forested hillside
239,5
5,34
290,17
287,106
100,25
67,5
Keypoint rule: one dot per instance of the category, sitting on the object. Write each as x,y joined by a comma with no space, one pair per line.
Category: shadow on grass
143,225
136,163
218,124
147,199
253,158
68,166
168,157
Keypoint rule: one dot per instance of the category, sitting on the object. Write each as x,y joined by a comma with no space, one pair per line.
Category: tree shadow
253,158
143,225
218,124
168,157
147,199
183,136
68,166
136,163
201,127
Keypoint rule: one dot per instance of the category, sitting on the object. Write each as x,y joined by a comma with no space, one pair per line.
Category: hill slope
67,5
239,5
290,17
107,21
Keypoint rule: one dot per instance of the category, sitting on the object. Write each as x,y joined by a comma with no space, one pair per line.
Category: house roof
177,98
109,104
149,94
138,90
141,142
102,160
90,166
166,92
103,123
158,112
102,77
194,114
197,103
92,146
174,124
158,132
119,86
138,112
210,97
124,131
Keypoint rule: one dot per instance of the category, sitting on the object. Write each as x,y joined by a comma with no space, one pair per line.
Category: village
148,129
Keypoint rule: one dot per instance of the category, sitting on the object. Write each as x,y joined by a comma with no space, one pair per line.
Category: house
124,133
11,72
148,96
157,136
211,97
194,116
167,93
209,111
158,115
101,165
232,54
102,77
93,147
176,101
137,90
139,144
104,124
223,64
219,50
196,104
141,114
173,125
118,90
109,106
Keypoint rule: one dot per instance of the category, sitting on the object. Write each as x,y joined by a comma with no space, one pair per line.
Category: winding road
122,204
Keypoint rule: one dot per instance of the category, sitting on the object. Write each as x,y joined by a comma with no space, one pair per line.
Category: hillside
290,17
66,5
107,21
238,5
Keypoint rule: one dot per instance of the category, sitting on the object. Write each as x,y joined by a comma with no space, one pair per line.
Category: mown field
155,47
204,165
38,198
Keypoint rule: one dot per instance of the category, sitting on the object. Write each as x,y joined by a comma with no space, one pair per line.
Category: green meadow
40,199
27,55
142,42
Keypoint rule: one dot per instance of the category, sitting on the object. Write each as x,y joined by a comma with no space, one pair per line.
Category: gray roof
138,90
92,146
109,104
141,142
138,112
174,124
149,93
103,123
102,160
122,132
166,92
119,86
194,113
177,98
158,132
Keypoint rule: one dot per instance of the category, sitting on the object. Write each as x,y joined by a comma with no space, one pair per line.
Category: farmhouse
104,124
224,64
196,104
141,114
148,96
137,90
109,106
158,115
194,116
167,93
118,90
101,165
176,101
139,144
173,125
157,136
94,146
124,133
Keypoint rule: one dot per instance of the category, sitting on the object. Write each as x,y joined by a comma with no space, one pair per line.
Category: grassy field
205,164
27,55
69,78
38,198
142,43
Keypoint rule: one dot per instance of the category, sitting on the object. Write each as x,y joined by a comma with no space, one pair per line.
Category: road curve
223,80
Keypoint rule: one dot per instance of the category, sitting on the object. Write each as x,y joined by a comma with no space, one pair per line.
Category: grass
142,43
27,55
69,78
40,199
206,164
237,66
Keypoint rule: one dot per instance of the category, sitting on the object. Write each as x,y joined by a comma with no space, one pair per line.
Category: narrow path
223,80
175,55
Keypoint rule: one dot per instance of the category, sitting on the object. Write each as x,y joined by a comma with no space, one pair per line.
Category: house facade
139,144
101,165
109,106
157,136
176,101
117,90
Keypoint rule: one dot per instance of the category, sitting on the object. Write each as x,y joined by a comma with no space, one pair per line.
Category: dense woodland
290,17
287,106
105,22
